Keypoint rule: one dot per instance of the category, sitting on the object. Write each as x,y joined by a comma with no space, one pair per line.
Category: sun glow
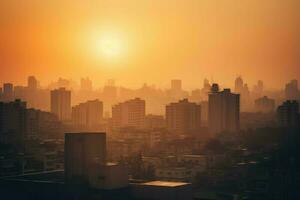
109,46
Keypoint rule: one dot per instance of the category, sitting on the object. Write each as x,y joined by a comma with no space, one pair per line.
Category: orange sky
161,40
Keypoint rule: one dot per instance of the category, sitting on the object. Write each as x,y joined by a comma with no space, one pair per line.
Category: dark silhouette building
292,91
13,123
223,111
264,105
288,114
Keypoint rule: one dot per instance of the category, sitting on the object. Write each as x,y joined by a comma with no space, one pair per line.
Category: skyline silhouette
188,40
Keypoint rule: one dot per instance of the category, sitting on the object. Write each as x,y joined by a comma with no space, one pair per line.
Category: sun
109,46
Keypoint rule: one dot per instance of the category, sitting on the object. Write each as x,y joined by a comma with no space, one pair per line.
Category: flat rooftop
85,133
45,177
165,183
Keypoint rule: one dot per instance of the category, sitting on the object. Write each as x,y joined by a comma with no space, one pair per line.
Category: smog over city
149,100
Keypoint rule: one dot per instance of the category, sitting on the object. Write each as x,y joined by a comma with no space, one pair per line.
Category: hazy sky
152,41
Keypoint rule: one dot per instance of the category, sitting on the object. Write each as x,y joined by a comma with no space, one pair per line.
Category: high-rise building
86,84
291,90
204,111
12,123
176,85
223,111
258,89
20,92
239,85
260,86
82,151
242,89
85,162
42,125
205,90
109,94
32,83
61,103
264,105
176,92
8,92
183,116
214,87
288,114
88,114
129,113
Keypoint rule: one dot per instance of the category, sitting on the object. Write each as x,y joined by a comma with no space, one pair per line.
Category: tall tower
223,111
8,92
239,85
32,83
292,91
61,103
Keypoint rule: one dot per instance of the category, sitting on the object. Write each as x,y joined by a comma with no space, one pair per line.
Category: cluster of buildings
142,155
88,175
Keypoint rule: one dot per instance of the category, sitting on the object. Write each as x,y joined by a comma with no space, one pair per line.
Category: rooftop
86,133
49,176
165,183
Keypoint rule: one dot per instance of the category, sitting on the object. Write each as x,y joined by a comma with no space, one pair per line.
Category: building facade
61,103
183,116
88,114
264,105
223,111
288,114
130,113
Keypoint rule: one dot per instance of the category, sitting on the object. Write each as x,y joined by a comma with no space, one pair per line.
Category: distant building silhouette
61,103
8,92
86,84
183,116
214,88
258,89
88,114
21,92
288,114
129,113
242,89
223,111
239,85
264,105
291,90
110,92
176,92
32,83
176,85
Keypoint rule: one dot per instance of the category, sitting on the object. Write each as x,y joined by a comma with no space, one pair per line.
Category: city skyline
187,40
149,99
